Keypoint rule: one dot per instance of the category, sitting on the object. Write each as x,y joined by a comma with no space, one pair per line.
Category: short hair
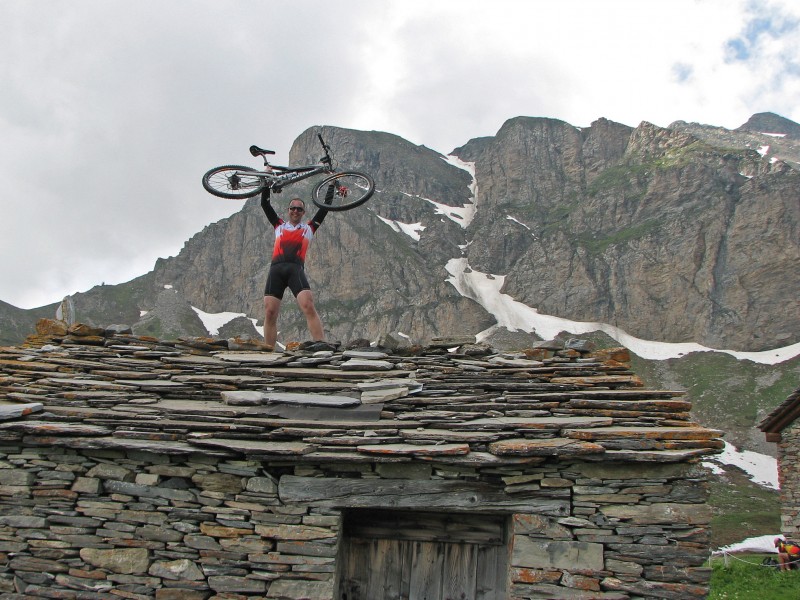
299,200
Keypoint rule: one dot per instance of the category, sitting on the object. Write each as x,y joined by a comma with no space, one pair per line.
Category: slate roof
781,417
469,406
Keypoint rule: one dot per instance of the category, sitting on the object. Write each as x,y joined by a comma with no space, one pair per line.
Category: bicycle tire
343,191
220,181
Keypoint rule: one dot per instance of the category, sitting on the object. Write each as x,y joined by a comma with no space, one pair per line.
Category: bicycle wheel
233,181
343,191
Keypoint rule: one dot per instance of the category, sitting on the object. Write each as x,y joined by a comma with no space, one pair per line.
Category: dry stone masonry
132,467
782,426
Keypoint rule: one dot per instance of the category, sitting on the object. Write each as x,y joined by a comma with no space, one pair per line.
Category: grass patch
623,175
596,245
745,578
726,393
619,177
742,509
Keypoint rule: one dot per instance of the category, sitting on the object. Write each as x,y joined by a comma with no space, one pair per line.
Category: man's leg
272,306
305,300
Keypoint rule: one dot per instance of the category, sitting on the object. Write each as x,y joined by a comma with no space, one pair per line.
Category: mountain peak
768,122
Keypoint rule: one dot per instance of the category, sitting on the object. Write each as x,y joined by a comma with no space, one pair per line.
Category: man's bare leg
272,306
305,300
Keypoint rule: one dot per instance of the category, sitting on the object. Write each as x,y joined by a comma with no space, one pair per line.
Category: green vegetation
597,245
745,578
623,175
726,393
619,177
742,509
553,218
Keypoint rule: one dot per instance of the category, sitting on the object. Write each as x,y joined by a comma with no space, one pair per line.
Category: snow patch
452,159
714,468
412,230
469,167
515,316
510,218
462,215
214,321
761,469
458,214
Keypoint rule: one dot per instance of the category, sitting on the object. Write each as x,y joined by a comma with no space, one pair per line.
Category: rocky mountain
685,233
17,323
650,229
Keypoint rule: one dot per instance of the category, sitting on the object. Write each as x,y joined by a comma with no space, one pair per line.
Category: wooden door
393,555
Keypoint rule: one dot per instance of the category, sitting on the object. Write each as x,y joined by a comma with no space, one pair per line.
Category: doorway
399,555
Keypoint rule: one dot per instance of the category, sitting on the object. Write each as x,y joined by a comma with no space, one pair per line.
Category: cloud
765,50
682,72
765,22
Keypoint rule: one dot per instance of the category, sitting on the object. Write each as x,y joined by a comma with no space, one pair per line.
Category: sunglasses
300,208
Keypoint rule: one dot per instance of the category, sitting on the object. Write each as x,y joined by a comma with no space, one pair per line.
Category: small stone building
139,468
783,427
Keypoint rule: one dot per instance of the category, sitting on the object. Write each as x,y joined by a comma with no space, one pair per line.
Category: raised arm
272,216
319,216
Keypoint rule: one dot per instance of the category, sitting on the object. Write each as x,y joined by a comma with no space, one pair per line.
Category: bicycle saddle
256,151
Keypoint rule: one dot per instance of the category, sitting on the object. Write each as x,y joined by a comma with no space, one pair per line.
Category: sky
111,111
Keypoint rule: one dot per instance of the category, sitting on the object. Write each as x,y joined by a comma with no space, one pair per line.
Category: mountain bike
340,190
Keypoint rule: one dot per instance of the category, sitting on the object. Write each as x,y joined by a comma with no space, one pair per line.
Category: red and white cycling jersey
292,241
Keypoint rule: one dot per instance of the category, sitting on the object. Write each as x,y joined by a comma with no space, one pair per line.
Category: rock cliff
684,233
651,229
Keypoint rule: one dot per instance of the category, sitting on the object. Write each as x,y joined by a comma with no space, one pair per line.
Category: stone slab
264,398
15,410
255,447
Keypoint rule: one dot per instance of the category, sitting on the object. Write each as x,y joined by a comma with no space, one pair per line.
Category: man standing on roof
292,239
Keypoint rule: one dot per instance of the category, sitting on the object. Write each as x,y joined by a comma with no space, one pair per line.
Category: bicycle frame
290,175
337,190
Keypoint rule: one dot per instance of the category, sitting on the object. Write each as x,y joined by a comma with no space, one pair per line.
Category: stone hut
782,427
132,467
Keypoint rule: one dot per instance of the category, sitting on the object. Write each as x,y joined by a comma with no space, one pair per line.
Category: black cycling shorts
283,275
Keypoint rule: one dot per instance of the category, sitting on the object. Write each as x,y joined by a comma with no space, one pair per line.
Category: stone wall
789,479
151,526
132,467
123,524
